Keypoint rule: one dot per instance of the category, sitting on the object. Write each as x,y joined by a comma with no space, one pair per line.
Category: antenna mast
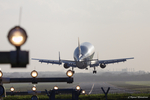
20,16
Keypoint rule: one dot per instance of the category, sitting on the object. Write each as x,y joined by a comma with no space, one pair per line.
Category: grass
143,83
87,97
137,86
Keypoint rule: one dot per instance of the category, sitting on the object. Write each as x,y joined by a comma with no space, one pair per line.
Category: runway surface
95,88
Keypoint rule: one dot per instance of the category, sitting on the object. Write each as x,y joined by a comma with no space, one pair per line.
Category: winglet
130,58
59,57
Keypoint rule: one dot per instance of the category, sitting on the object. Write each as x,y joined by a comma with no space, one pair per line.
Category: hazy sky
117,29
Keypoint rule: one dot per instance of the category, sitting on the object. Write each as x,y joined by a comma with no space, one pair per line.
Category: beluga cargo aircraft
83,57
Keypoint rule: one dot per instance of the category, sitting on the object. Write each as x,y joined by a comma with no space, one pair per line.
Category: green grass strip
86,97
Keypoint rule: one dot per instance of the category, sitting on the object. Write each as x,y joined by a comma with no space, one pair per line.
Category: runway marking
91,89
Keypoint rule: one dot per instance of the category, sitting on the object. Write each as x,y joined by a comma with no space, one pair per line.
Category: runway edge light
83,91
69,73
34,73
34,88
55,88
1,74
78,87
12,89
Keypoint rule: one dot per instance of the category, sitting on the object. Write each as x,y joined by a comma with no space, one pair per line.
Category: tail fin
79,47
97,55
59,57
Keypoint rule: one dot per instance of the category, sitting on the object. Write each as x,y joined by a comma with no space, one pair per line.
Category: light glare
69,73
78,87
33,88
83,92
17,39
12,89
1,74
34,73
56,87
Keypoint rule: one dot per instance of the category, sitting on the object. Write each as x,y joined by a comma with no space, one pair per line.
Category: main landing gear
73,70
94,72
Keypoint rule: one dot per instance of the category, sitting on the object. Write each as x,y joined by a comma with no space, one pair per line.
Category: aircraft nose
80,59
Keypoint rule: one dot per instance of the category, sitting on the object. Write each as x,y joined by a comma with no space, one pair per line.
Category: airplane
83,57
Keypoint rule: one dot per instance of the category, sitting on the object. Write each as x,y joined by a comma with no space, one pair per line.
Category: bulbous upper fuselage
83,55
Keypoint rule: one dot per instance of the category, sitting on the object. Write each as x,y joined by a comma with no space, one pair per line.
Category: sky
116,28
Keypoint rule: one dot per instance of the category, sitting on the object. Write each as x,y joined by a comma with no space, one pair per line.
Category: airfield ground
119,90
121,85
89,87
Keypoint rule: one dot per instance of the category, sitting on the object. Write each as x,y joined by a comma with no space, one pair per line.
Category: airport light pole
2,88
17,36
2,91
34,97
36,80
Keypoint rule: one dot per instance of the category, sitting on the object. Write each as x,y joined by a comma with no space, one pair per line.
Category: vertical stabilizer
79,47
97,55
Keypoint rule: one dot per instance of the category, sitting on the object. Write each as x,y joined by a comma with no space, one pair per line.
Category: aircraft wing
48,61
70,63
59,62
113,60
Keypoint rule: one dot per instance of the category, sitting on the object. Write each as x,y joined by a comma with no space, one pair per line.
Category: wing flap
70,63
48,61
114,60
59,62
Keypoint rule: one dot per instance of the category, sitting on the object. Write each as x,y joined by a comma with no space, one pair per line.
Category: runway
89,87
95,88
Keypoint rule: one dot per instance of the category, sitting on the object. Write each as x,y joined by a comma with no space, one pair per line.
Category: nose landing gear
73,72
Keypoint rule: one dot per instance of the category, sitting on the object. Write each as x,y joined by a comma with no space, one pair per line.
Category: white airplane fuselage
84,54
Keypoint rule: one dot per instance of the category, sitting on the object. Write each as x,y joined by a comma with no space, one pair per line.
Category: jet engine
66,66
102,65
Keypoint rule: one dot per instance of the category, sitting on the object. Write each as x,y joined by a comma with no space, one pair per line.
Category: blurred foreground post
105,92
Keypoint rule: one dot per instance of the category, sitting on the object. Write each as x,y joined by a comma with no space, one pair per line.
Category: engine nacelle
66,66
102,65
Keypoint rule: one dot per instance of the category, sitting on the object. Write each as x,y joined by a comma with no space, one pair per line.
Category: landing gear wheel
94,72
73,72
